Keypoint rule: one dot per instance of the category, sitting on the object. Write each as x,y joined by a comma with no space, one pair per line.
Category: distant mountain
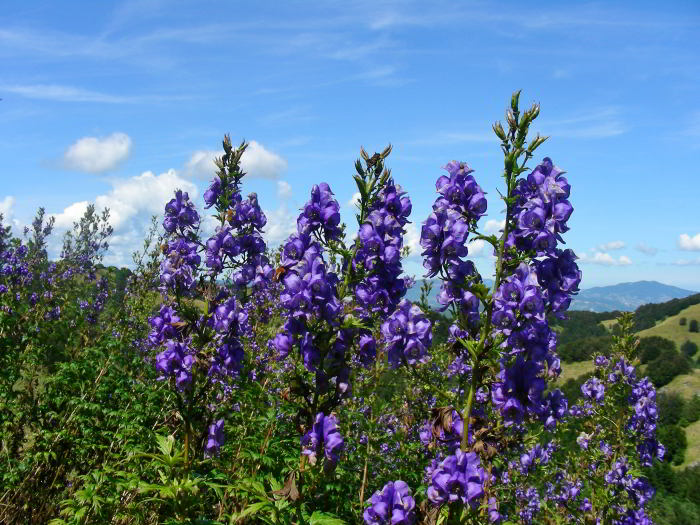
623,296
626,296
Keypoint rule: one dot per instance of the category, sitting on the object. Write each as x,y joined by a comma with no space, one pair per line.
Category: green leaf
250,510
321,518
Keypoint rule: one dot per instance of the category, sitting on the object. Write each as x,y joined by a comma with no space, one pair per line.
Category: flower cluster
238,243
459,477
323,439
179,268
215,438
176,361
321,213
407,334
542,210
393,505
180,214
379,252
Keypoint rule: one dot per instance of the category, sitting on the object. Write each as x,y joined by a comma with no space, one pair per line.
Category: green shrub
689,348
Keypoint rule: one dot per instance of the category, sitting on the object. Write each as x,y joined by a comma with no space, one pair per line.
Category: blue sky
118,103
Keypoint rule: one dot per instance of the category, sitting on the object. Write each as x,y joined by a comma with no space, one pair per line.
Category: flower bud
498,130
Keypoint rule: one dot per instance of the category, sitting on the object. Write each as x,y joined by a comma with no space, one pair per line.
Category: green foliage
683,321
693,325
689,349
585,348
650,348
668,365
673,438
647,315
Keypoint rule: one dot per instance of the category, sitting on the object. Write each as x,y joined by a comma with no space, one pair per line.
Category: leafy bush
668,365
650,348
689,348
693,325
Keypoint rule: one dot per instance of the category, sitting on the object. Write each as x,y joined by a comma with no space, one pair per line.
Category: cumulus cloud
131,203
686,242
645,248
355,199
7,207
284,190
97,155
494,226
256,162
281,223
612,245
604,259
411,238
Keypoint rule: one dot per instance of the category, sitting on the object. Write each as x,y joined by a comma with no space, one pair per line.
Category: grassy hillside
692,453
670,327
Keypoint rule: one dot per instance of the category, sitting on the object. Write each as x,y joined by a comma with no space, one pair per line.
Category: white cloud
411,238
355,199
97,155
201,164
259,162
131,203
281,223
645,248
70,214
256,162
494,226
605,259
7,207
284,189
686,242
612,245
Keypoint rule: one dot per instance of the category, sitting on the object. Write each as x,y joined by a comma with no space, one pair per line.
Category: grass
574,370
608,324
686,385
670,327
692,453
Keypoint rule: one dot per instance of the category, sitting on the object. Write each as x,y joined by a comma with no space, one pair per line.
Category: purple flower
322,212
180,213
518,391
407,334
593,389
323,437
459,477
393,505
215,438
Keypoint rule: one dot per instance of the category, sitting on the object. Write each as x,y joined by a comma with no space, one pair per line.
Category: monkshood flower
180,213
393,505
559,277
459,477
494,515
380,241
407,334
176,361
323,438
215,438
179,268
443,239
460,191
228,317
594,390
542,209
163,325
518,391
211,195
321,212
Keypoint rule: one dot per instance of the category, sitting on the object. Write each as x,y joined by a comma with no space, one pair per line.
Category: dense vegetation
221,381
